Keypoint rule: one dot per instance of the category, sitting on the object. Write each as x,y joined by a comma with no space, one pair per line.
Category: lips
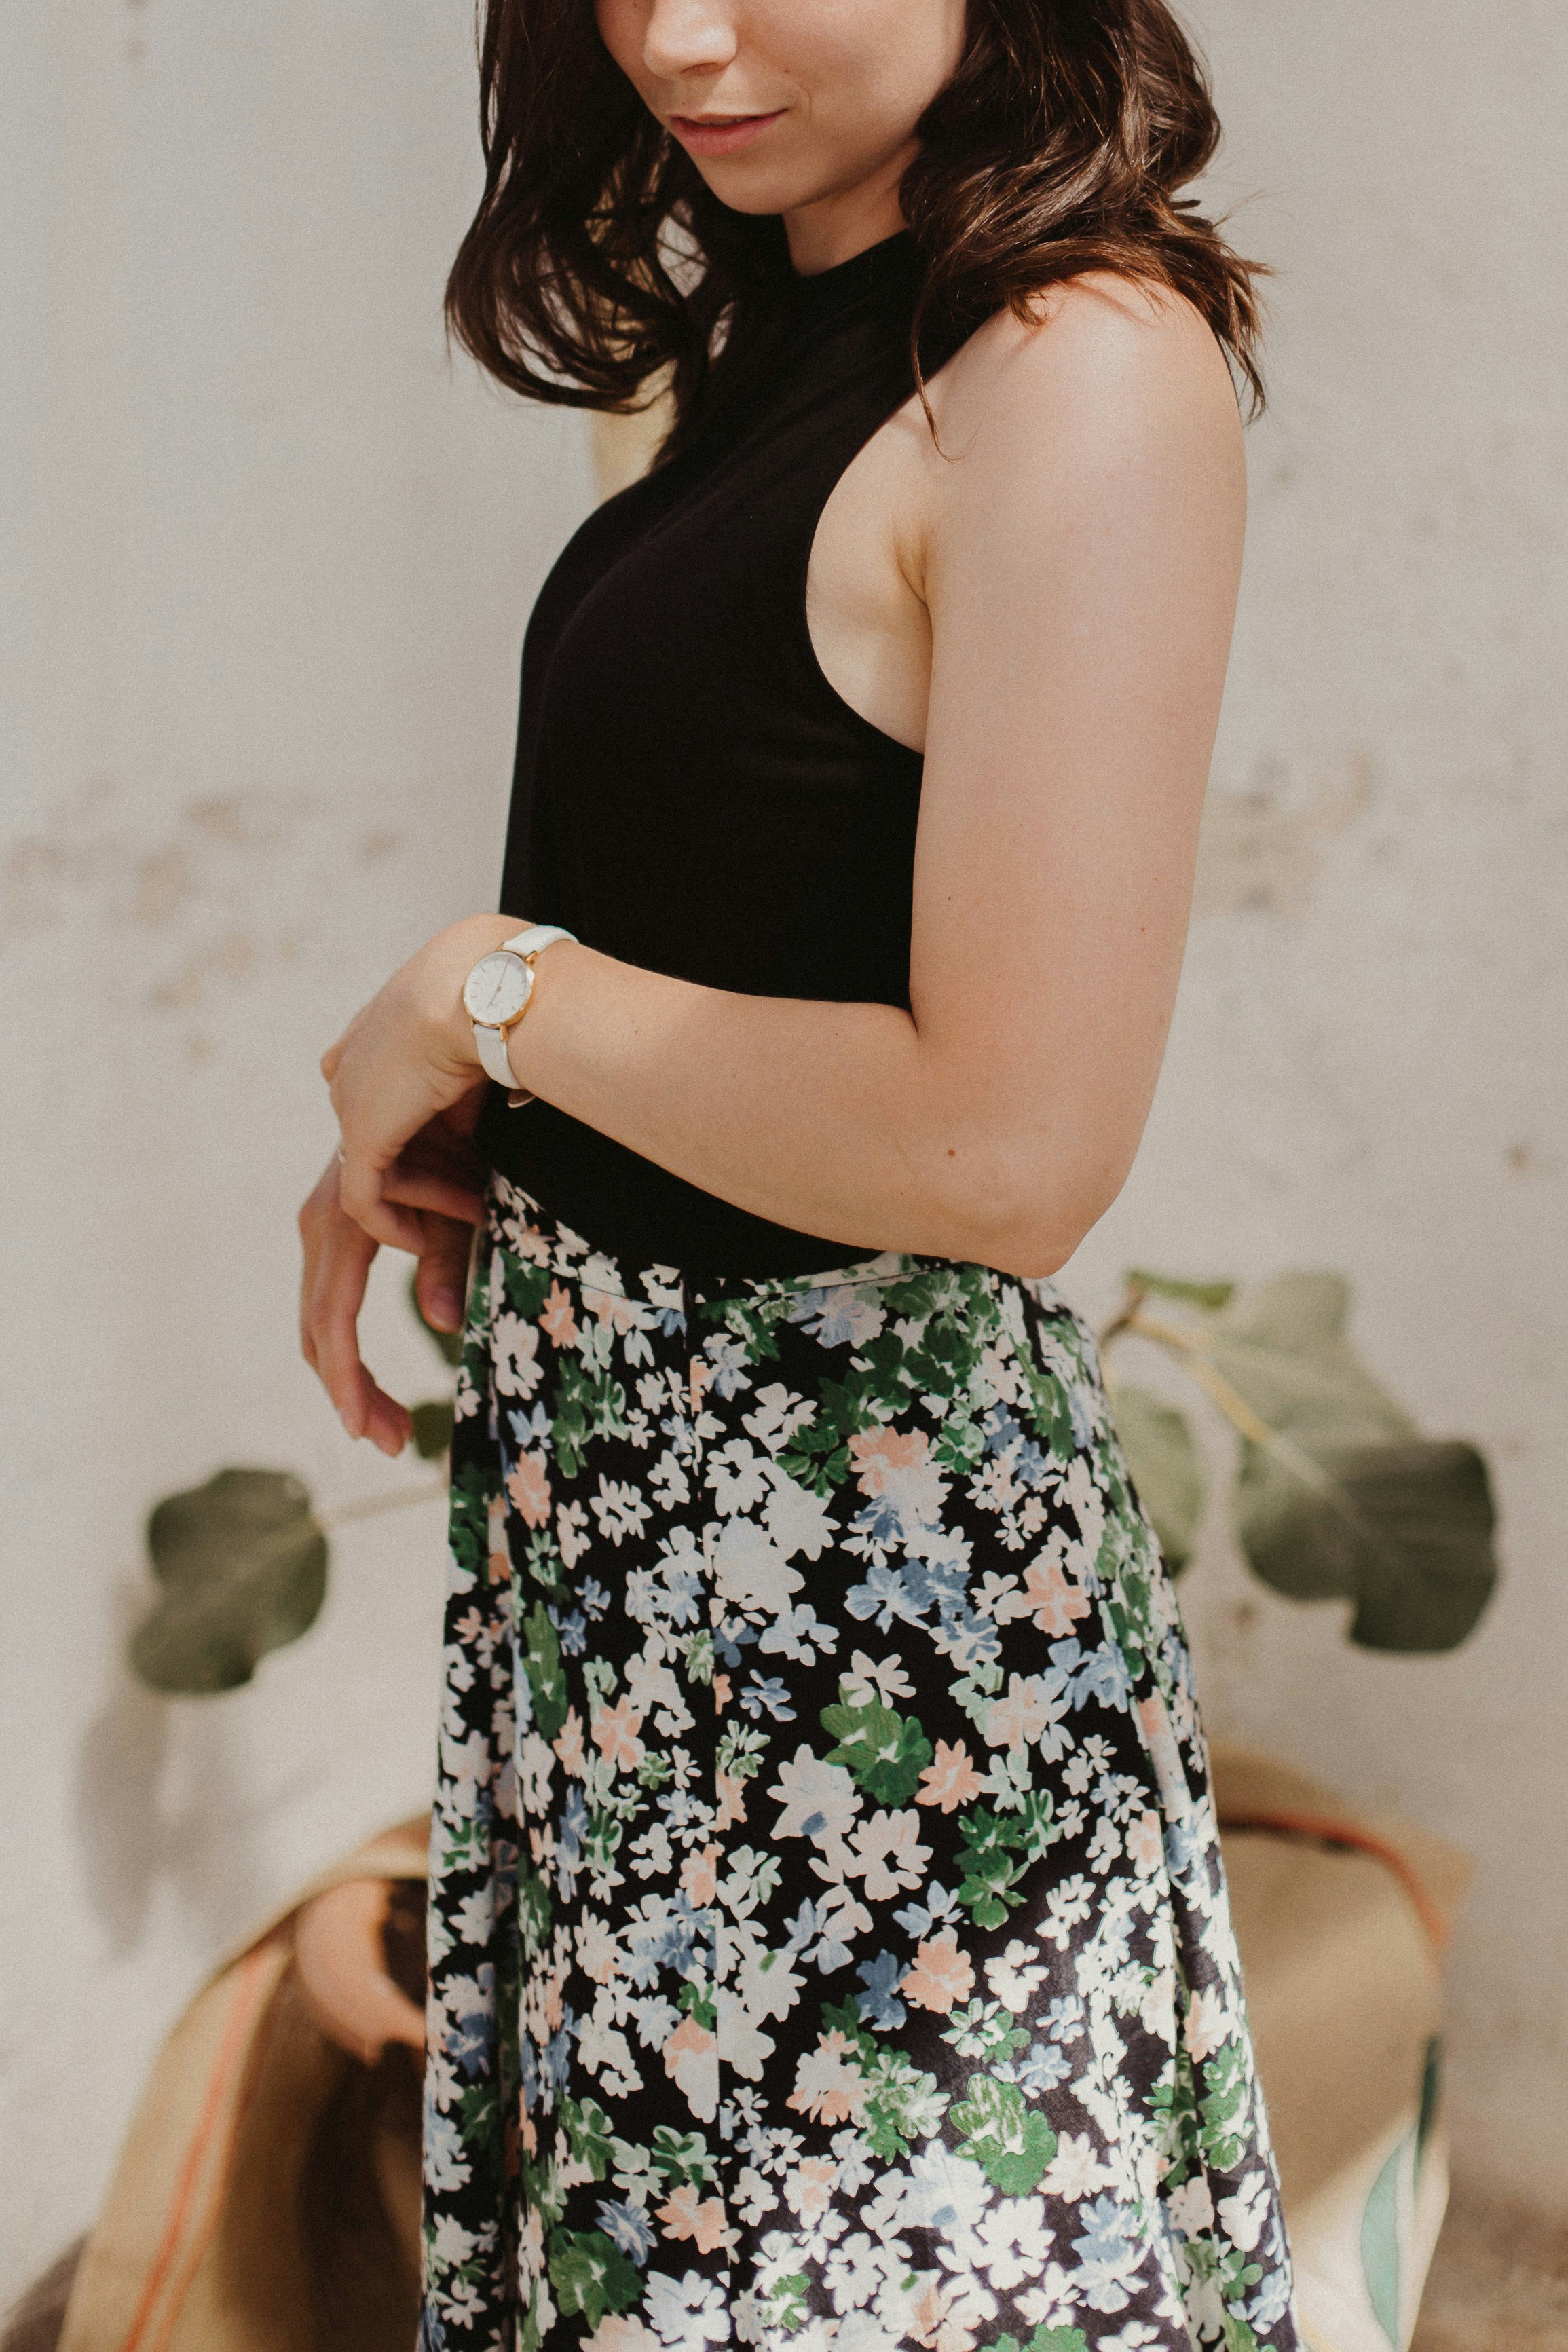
720,135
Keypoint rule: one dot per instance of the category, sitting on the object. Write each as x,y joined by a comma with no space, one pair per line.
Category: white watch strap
536,939
490,1046
490,1043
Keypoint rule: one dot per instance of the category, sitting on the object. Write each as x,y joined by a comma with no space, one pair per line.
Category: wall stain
229,959
1262,850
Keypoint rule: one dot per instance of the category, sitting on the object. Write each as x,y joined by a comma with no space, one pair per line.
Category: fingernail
446,1307
344,1417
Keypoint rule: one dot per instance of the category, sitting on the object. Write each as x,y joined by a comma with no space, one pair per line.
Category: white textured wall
1367,1067
267,559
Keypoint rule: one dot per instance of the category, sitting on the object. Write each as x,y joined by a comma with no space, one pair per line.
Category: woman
829,1940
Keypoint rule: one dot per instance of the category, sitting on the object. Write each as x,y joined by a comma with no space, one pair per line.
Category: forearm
837,1119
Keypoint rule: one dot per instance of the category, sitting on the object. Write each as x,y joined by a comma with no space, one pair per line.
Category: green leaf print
818,1476
590,2276
680,2156
1011,2142
886,1752
788,2301
697,2001
588,1404
996,1851
527,1287
902,2105
534,1911
1224,2107
1044,2339
542,1664
543,1557
476,2108
469,1528
588,2128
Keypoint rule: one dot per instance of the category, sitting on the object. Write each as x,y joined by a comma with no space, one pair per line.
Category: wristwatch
496,995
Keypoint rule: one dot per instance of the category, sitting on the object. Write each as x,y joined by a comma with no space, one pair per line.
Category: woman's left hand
404,1060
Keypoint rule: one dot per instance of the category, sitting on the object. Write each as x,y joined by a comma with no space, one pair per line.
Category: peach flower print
684,2216
1058,1603
732,1800
557,1321
942,1974
809,2188
950,1779
691,2060
882,1453
528,1487
829,2087
616,1730
700,1873
568,1744
499,1565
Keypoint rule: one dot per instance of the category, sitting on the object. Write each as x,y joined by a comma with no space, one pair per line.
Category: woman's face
786,104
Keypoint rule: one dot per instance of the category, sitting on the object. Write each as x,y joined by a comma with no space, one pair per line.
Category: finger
341,1267
443,1273
364,1407
359,1191
427,1189
315,1220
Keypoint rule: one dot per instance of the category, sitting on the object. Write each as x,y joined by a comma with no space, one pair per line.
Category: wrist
454,953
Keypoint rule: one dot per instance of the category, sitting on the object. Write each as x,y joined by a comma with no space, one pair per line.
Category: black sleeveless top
690,794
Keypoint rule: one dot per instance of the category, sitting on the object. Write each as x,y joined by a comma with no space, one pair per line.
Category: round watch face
498,988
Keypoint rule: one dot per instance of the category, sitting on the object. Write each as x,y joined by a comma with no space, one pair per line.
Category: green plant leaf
242,1567
433,1422
1210,1295
1166,1470
450,1343
1348,1501
1403,1530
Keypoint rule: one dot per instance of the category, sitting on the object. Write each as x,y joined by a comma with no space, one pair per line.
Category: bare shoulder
1108,370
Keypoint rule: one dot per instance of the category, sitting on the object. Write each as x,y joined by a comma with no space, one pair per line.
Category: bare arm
1077,552
1080,559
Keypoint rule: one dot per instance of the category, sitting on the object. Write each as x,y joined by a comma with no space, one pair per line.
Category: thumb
442,1277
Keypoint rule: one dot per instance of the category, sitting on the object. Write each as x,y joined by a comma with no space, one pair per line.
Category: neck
836,228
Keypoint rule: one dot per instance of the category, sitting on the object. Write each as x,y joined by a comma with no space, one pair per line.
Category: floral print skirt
828,1935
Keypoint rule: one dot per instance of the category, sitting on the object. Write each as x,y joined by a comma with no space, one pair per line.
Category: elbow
1012,1209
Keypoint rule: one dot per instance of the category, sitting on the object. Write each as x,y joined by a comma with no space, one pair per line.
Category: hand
408,1088
404,1059
338,1258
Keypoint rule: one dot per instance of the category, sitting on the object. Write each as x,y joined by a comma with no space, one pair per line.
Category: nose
687,37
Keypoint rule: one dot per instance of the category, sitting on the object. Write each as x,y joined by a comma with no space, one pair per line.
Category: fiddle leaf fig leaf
1346,1501
1164,1460
1209,1295
1404,1530
1283,1349
243,1566
449,1343
433,1422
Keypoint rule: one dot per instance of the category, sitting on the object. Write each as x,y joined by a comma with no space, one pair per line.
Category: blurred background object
267,559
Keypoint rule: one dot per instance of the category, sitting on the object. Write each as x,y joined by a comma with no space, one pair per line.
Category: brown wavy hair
599,260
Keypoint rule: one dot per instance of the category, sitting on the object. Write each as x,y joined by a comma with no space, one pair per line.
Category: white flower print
1076,2169
1209,2025
820,1801
888,1856
833,1986
1013,1977
620,1511
516,1368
